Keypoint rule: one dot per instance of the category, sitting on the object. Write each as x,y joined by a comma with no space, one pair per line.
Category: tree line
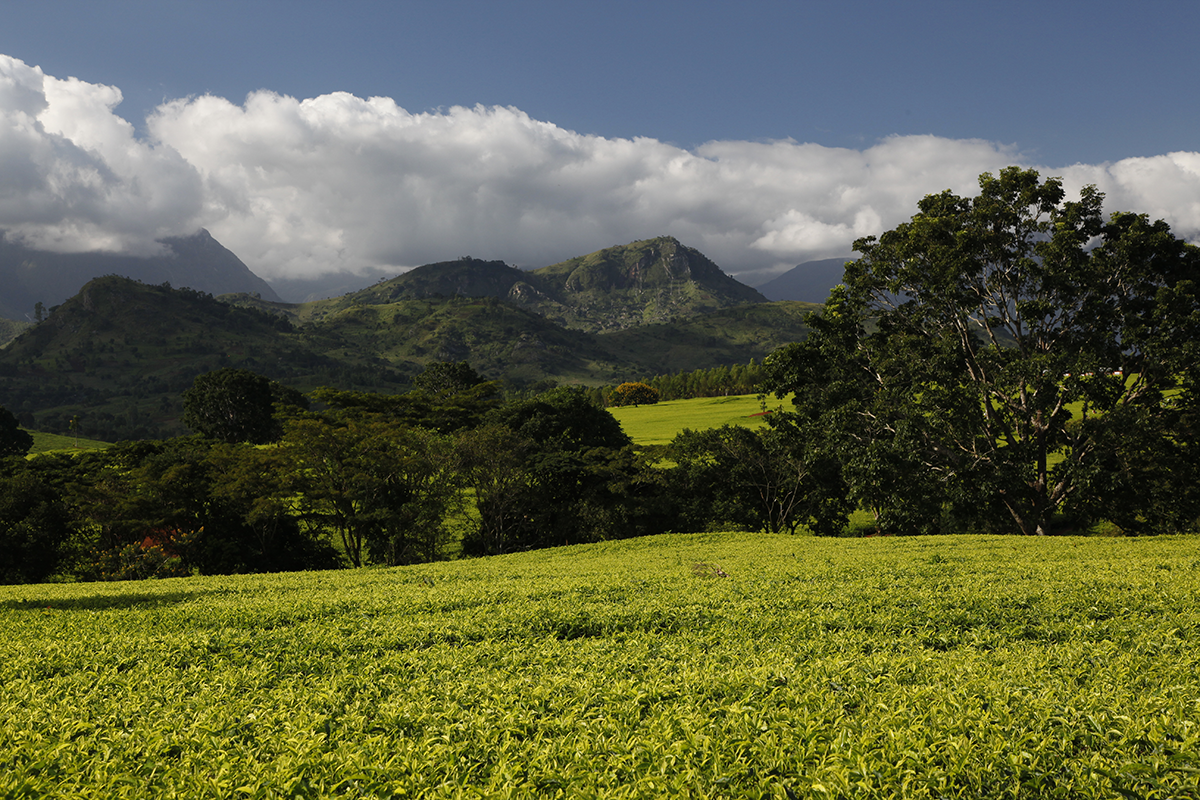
276,480
1014,362
720,381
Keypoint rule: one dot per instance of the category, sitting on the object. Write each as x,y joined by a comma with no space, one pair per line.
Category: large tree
1011,356
231,405
13,440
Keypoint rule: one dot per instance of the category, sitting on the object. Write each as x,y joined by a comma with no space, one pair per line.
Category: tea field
659,423
715,665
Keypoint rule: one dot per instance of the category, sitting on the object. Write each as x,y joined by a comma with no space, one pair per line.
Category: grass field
659,423
921,667
50,442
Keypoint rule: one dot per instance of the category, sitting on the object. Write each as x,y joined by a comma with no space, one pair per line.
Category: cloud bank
337,183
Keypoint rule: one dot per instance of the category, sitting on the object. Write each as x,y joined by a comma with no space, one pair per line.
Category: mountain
644,282
729,336
809,282
9,329
29,277
117,356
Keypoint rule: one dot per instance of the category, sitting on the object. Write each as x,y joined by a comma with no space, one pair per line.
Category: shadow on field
100,602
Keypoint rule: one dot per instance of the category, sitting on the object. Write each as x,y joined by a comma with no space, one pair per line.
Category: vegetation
9,329
644,282
721,381
51,442
13,440
990,667
117,357
633,393
662,422
1011,361
233,405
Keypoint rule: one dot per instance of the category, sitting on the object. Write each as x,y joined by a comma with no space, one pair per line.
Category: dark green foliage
231,405
721,381
759,479
187,505
34,525
417,408
1010,360
382,488
13,440
563,419
447,378
554,470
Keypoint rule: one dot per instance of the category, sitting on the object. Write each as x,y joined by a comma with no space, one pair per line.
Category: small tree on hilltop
633,393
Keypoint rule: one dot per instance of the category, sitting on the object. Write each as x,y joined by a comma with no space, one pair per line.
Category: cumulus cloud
74,177
338,183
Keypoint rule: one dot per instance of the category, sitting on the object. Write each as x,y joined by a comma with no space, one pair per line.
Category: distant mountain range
29,277
642,283
118,354
809,282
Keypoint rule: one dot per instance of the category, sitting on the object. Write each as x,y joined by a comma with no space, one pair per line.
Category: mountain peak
198,261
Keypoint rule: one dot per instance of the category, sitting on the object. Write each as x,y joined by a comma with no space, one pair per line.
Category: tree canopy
231,405
13,440
1012,356
633,393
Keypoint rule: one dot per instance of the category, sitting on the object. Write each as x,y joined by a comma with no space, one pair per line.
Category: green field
919,667
51,442
659,423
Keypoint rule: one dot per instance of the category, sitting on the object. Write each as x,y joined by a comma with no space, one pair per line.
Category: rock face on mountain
655,280
29,277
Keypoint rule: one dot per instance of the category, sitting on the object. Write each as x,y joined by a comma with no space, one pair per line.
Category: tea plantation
708,665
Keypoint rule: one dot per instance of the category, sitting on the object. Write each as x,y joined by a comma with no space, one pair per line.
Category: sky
314,138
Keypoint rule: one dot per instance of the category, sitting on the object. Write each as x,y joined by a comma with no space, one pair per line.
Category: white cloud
336,183
74,177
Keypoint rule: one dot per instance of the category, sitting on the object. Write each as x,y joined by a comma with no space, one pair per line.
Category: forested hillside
645,282
115,358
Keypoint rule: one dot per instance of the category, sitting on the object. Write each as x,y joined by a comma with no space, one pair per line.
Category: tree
384,488
447,378
553,470
1010,356
562,417
633,394
231,405
764,479
13,440
34,525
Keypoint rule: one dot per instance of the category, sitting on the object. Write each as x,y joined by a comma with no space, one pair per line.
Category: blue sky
699,89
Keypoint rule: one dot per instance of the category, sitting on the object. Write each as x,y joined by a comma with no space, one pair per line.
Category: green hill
656,280
705,665
728,336
9,329
118,355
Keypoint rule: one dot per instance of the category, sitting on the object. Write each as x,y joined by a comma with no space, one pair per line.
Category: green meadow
53,442
709,665
659,423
